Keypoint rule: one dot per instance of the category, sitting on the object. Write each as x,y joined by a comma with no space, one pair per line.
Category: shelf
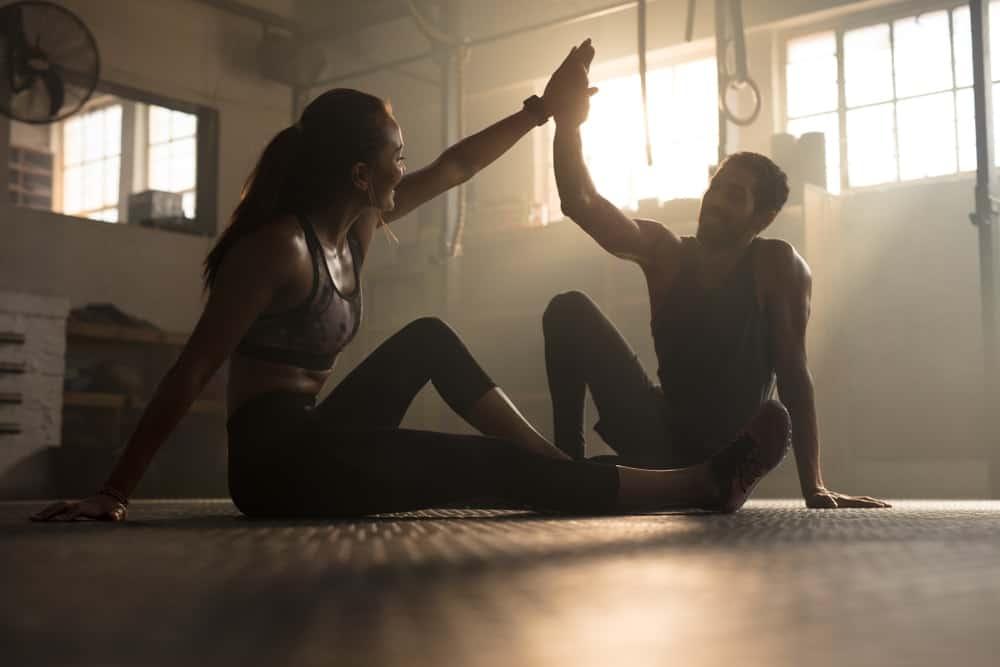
21,168
12,337
123,334
93,399
39,192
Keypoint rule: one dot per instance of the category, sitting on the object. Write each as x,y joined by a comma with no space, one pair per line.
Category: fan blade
57,92
12,23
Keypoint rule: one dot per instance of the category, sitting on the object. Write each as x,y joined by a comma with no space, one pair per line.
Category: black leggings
347,456
584,349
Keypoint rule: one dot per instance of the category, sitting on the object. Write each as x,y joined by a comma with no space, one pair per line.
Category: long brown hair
306,165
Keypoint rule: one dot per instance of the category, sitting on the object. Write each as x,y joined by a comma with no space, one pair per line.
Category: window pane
811,75
159,124
72,141
112,131
614,129
683,133
994,39
962,35
111,168
182,124
93,191
107,215
962,30
695,81
159,167
922,54
692,143
93,136
927,136
871,150
966,131
72,189
182,165
829,125
996,119
188,202
967,128
868,65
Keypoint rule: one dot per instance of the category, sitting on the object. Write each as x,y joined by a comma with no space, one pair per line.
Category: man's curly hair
771,192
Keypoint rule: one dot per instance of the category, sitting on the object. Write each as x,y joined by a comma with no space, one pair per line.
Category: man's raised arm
580,201
613,230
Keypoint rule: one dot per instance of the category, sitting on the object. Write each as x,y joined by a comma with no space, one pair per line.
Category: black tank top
312,334
714,354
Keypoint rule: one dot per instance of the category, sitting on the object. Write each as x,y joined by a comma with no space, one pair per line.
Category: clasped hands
567,94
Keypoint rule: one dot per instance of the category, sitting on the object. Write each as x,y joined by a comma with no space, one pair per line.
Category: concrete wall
182,50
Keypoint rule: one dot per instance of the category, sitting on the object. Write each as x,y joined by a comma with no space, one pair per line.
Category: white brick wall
42,320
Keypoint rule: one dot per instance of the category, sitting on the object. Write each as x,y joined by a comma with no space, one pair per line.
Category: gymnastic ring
734,83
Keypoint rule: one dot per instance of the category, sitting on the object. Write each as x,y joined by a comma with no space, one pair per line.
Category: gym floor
193,582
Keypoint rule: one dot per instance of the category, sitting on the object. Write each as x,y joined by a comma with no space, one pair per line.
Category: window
905,104
121,159
91,163
683,128
172,152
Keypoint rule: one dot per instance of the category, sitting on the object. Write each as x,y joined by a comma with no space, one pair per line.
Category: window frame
59,170
840,23
207,150
145,153
206,160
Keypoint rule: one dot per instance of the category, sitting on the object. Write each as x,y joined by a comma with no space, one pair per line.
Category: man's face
727,218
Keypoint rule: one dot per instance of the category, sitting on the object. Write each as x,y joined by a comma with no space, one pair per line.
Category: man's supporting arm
788,308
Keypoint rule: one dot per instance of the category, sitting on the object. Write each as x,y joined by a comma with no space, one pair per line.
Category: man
729,314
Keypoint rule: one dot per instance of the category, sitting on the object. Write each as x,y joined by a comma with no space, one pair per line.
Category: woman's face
389,167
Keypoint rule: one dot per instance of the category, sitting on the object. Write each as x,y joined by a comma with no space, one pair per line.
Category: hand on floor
100,507
826,499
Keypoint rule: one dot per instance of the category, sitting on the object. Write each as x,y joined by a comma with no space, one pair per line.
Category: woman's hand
99,507
567,94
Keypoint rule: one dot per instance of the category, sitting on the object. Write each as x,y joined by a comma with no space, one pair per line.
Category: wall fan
49,65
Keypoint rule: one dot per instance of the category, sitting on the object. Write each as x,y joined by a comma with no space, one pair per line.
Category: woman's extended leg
379,391
311,468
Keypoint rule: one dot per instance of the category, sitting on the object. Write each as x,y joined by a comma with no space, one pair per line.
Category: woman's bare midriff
249,378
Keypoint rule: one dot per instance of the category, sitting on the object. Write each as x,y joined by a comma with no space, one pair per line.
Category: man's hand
823,498
567,94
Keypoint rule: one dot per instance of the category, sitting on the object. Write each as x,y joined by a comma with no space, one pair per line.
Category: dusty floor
193,583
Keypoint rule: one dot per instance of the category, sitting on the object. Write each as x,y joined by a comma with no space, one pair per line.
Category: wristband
536,107
112,493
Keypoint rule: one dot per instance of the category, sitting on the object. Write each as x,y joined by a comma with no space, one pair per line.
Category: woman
285,298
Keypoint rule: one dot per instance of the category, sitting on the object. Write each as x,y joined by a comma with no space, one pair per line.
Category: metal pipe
985,215
642,79
254,14
607,10
689,27
479,41
721,77
375,68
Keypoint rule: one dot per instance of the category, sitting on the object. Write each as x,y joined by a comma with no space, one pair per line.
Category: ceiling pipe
600,12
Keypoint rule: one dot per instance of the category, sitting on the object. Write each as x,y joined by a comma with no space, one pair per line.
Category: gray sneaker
758,450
